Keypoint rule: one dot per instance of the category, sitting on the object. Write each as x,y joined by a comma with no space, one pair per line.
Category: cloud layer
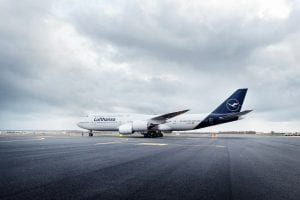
60,60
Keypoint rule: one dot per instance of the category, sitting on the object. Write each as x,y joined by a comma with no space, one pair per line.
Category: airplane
156,125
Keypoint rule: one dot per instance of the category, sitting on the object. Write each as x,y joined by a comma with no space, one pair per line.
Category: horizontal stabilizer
232,115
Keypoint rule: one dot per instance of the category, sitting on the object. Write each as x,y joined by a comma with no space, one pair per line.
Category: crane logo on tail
233,105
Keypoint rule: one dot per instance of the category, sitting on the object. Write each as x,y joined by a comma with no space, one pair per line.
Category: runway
172,167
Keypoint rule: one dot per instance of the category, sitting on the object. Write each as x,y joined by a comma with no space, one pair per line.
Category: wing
160,119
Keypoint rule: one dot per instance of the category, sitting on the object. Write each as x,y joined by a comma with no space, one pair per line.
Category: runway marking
195,138
153,144
198,145
100,143
23,140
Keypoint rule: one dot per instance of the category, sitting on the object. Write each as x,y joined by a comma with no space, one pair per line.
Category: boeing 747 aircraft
156,125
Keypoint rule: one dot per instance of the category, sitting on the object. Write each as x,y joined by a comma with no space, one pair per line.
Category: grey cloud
166,36
64,60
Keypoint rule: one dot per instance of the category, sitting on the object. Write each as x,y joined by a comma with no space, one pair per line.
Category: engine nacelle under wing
125,129
130,128
140,125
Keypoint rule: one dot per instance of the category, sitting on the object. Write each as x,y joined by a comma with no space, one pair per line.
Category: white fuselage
112,122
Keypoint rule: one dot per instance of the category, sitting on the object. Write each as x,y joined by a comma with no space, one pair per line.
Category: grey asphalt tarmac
226,167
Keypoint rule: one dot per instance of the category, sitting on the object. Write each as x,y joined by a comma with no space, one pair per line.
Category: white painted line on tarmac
153,144
198,145
101,143
23,140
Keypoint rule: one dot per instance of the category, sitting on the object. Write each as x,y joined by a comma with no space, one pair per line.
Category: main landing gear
153,134
91,133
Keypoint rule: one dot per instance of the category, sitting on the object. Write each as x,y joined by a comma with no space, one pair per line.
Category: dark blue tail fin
228,111
233,104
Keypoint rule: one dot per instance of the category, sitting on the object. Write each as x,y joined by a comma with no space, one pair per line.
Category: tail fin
233,104
228,111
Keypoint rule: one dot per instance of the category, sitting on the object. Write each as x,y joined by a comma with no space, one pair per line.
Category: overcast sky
63,59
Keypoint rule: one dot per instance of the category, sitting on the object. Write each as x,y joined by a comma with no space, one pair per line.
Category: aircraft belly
182,127
106,127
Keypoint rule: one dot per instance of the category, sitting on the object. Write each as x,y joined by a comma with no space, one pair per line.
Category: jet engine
140,125
125,129
130,128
